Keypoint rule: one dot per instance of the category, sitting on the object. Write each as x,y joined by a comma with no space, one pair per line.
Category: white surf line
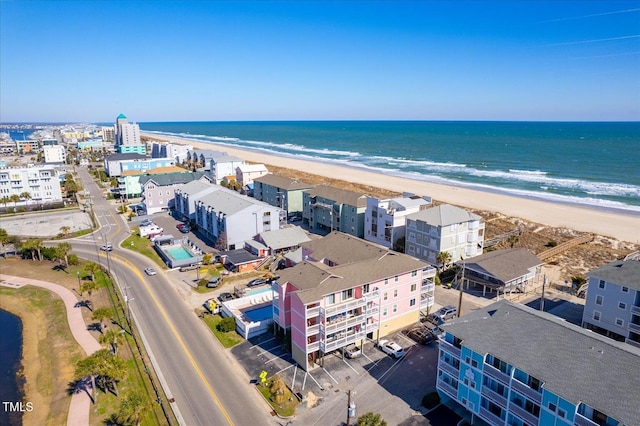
345,361
332,378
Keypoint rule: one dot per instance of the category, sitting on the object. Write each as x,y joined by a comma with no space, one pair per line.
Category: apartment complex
127,137
41,182
344,290
444,228
280,191
612,306
54,154
326,208
511,365
178,152
185,197
247,173
228,218
385,220
116,164
158,190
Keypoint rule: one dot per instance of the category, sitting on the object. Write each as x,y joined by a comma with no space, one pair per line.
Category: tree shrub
430,400
552,244
227,324
73,259
371,419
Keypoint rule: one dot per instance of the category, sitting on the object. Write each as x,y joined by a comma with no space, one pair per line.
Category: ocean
588,163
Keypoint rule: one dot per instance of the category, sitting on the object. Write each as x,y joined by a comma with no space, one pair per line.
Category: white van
149,230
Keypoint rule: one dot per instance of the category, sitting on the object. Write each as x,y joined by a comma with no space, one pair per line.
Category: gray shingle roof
282,182
196,186
226,202
340,196
506,265
443,215
622,272
164,179
574,363
284,238
359,262
125,156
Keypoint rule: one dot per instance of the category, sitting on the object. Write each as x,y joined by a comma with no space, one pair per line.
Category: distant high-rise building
127,136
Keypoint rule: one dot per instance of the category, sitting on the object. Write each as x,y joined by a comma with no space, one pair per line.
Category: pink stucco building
345,290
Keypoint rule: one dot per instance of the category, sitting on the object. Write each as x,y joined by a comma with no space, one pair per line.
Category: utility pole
544,283
461,290
351,408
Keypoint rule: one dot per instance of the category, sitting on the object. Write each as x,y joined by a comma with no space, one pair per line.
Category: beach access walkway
80,405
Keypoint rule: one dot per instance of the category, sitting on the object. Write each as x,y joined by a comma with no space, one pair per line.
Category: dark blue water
586,163
10,356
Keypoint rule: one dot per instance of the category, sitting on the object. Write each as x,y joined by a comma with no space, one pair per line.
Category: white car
150,271
391,348
106,247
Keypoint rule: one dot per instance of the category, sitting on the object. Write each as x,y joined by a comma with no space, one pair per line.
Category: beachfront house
223,165
228,218
54,154
327,209
129,181
281,191
116,164
444,228
246,173
385,220
612,305
170,150
502,271
158,190
508,364
41,182
344,290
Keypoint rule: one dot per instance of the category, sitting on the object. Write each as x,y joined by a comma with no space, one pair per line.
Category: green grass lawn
286,408
228,339
142,246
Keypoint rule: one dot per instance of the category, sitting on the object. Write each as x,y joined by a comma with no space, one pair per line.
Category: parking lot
378,382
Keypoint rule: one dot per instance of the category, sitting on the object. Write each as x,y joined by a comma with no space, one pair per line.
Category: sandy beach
621,226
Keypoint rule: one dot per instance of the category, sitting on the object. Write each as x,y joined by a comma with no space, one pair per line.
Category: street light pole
78,275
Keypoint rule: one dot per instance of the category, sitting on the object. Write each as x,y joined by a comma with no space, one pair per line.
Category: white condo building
54,154
385,220
128,137
41,182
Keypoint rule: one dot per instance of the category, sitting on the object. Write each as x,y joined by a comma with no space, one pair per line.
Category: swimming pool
258,291
179,253
259,314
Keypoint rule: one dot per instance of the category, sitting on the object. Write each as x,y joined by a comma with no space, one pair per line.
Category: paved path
80,405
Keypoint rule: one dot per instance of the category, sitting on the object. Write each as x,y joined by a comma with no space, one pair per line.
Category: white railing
426,302
341,341
342,324
313,312
343,307
375,294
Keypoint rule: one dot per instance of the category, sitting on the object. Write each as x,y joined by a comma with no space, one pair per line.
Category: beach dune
614,224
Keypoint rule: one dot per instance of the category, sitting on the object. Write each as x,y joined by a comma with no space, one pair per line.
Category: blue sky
425,60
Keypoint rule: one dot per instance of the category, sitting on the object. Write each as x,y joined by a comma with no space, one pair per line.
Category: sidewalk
80,405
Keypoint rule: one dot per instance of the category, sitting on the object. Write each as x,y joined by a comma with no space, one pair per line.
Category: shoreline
614,224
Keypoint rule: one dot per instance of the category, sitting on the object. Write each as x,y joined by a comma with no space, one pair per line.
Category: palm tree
88,286
4,238
92,268
111,337
133,408
5,200
26,196
34,245
88,367
444,257
112,369
371,419
102,314
14,198
63,250
65,230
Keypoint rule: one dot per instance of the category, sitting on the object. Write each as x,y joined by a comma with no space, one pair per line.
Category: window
395,278
386,281
601,284
385,296
474,363
366,288
596,315
412,302
622,305
561,413
625,289
330,299
395,308
414,273
619,322
413,287
384,312
347,294
552,407
598,300
395,293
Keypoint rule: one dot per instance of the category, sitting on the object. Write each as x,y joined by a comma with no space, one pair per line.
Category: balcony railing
526,391
635,309
581,420
344,340
313,329
449,348
425,302
373,310
372,295
494,396
427,286
448,389
633,327
490,417
313,312
494,373
523,414
343,307
449,369
342,324
312,347
633,343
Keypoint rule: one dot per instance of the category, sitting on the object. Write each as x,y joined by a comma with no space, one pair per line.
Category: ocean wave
528,172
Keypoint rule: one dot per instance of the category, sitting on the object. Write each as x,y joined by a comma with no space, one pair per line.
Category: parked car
257,282
189,267
150,271
224,297
184,229
391,348
214,282
146,222
106,247
420,335
154,237
352,351
447,312
432,319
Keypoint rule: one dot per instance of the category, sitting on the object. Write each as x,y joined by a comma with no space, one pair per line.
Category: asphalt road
207,385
